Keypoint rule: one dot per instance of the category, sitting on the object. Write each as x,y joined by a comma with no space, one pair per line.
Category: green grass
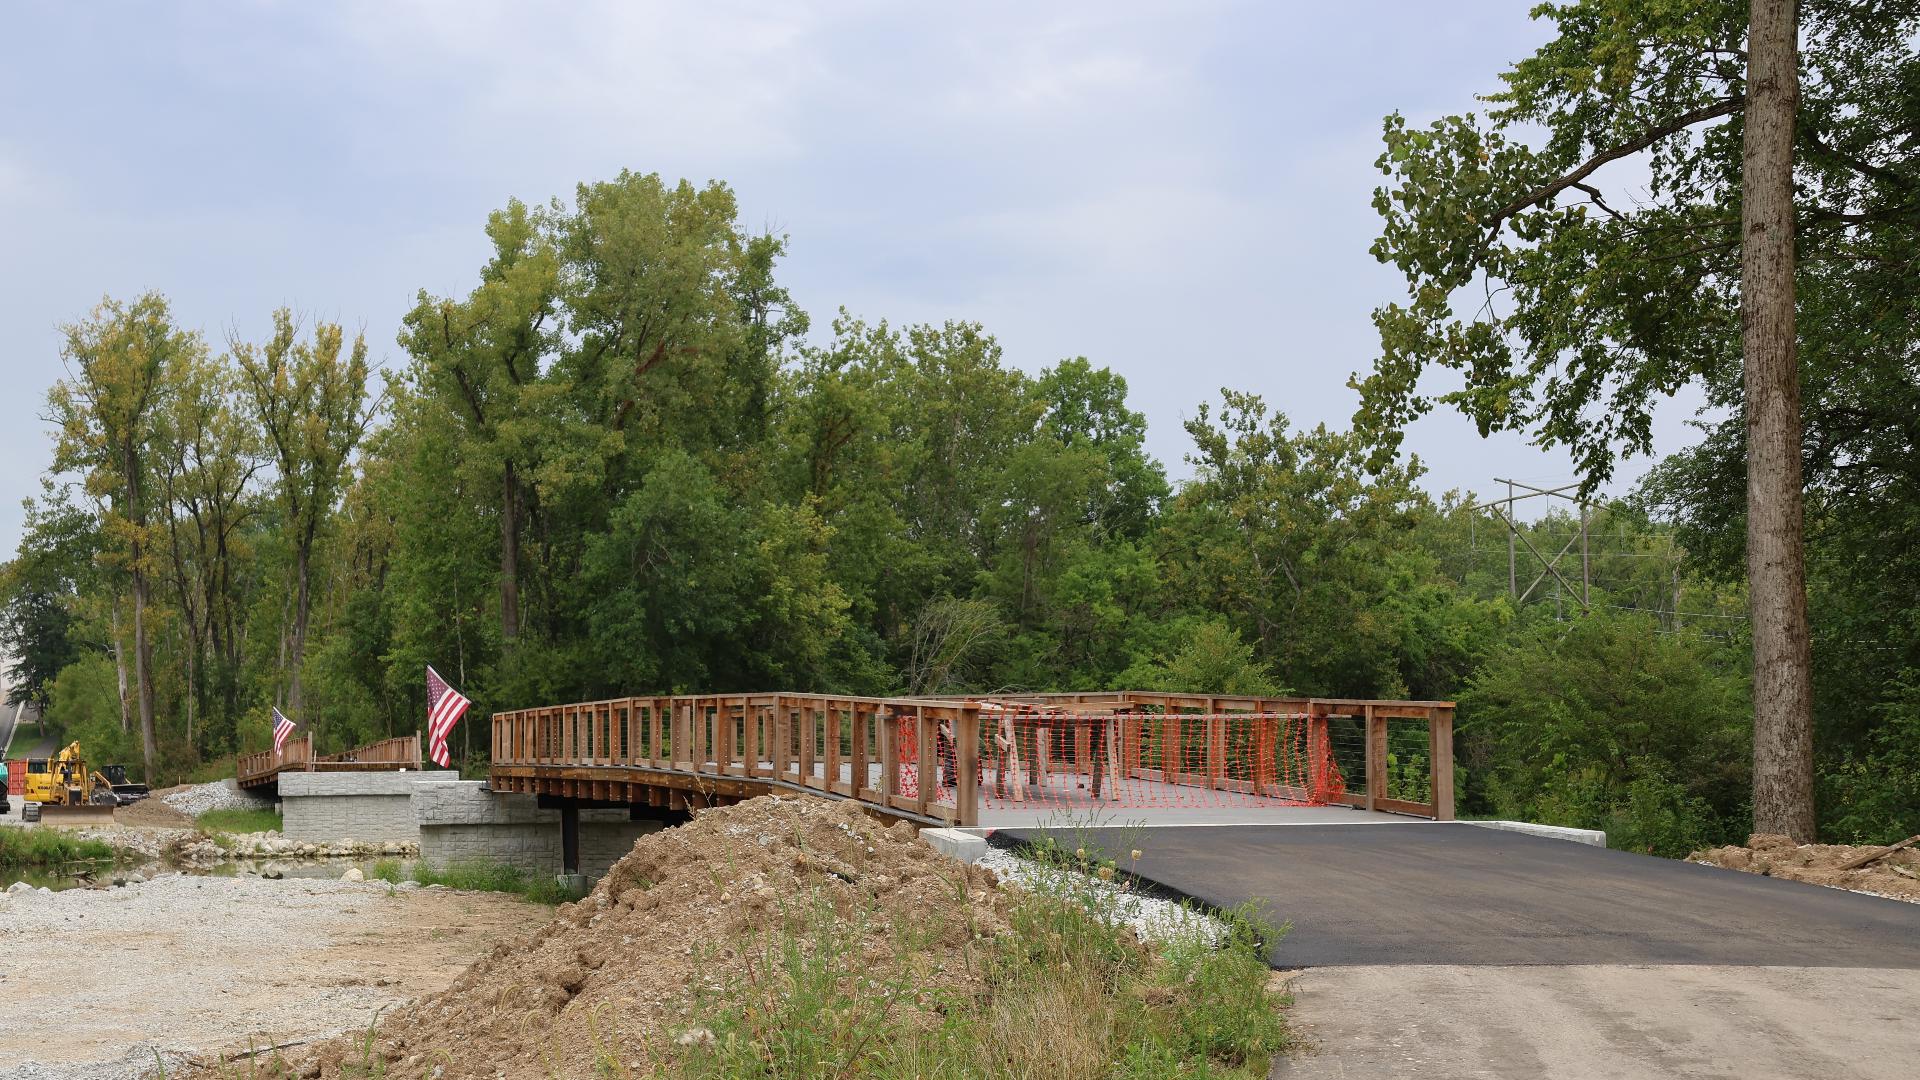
48,847
387,870
1066,994
491,877
216,822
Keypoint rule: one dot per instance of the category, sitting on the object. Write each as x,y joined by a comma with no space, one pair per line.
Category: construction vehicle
63,787
115,777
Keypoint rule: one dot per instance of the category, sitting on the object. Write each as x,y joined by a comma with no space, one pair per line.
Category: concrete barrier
1590,837
955,844
322,807
463,821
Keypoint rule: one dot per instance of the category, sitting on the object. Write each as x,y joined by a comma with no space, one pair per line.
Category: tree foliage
618,464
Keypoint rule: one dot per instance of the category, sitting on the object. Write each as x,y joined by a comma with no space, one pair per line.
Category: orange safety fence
1060,759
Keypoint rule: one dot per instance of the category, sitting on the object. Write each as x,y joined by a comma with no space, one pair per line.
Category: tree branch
1613,153
1861,166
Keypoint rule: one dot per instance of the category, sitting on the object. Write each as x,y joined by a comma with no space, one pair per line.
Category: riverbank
192,963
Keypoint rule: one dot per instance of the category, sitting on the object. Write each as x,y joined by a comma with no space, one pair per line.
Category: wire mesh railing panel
1347,742
1409,766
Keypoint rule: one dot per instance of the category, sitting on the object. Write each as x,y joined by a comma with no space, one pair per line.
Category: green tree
42,592
206,469
1605,722
480,359
1569,311
122,360
309,398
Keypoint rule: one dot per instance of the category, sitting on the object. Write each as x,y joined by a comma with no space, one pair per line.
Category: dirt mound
614,979
1896,875
151,812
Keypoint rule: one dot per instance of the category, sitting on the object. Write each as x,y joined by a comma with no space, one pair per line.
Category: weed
479,876
49,847
387,870
371,1066
1069,992
216,823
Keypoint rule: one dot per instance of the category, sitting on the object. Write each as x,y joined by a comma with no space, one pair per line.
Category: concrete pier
462,821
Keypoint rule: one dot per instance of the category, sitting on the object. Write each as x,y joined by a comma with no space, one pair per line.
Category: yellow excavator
63,786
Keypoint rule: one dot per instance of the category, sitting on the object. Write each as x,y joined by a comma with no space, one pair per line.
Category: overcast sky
1177,191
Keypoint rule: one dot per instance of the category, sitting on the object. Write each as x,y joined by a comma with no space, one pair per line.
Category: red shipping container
16,776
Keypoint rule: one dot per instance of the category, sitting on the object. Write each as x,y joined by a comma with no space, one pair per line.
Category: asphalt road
1457,894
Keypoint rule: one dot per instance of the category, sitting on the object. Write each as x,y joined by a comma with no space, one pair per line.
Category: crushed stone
1895,876
142,1060
1151,917
203,964
196,799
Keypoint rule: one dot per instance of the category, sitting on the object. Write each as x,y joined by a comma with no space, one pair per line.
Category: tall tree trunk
1776,566
509,555
297,648
143,669
120,668
286,622
193,689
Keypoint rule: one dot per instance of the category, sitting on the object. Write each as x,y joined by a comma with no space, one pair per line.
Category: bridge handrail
298,756
400,750
843,745
261,762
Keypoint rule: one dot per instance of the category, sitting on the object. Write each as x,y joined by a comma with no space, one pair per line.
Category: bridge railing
929,756
400,750
847,746
297,753
298,756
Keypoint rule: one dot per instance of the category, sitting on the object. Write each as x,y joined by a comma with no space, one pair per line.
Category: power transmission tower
1517,539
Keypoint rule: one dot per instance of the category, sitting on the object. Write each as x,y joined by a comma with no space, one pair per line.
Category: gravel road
202,964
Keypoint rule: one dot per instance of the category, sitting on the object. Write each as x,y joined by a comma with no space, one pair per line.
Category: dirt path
1612,1021
204,963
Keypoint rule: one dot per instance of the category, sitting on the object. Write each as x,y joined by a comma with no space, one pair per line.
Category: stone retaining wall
326,807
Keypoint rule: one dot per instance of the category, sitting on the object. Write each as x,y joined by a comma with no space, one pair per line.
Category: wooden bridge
264,767
961,761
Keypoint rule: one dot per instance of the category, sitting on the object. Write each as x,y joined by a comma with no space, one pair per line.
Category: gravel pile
219,795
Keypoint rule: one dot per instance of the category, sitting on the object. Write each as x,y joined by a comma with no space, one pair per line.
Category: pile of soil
1896,875
617,977
152,813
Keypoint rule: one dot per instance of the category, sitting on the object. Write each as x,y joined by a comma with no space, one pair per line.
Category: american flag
445,705
282,727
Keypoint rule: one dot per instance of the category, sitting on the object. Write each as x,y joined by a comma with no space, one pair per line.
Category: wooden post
889,757
1376,735
966,752
833,746
1216,728
809,729
1440,736
781,739
1042,753
862,719
929,764
1169,746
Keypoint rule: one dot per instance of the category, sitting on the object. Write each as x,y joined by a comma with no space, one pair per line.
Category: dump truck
63,786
